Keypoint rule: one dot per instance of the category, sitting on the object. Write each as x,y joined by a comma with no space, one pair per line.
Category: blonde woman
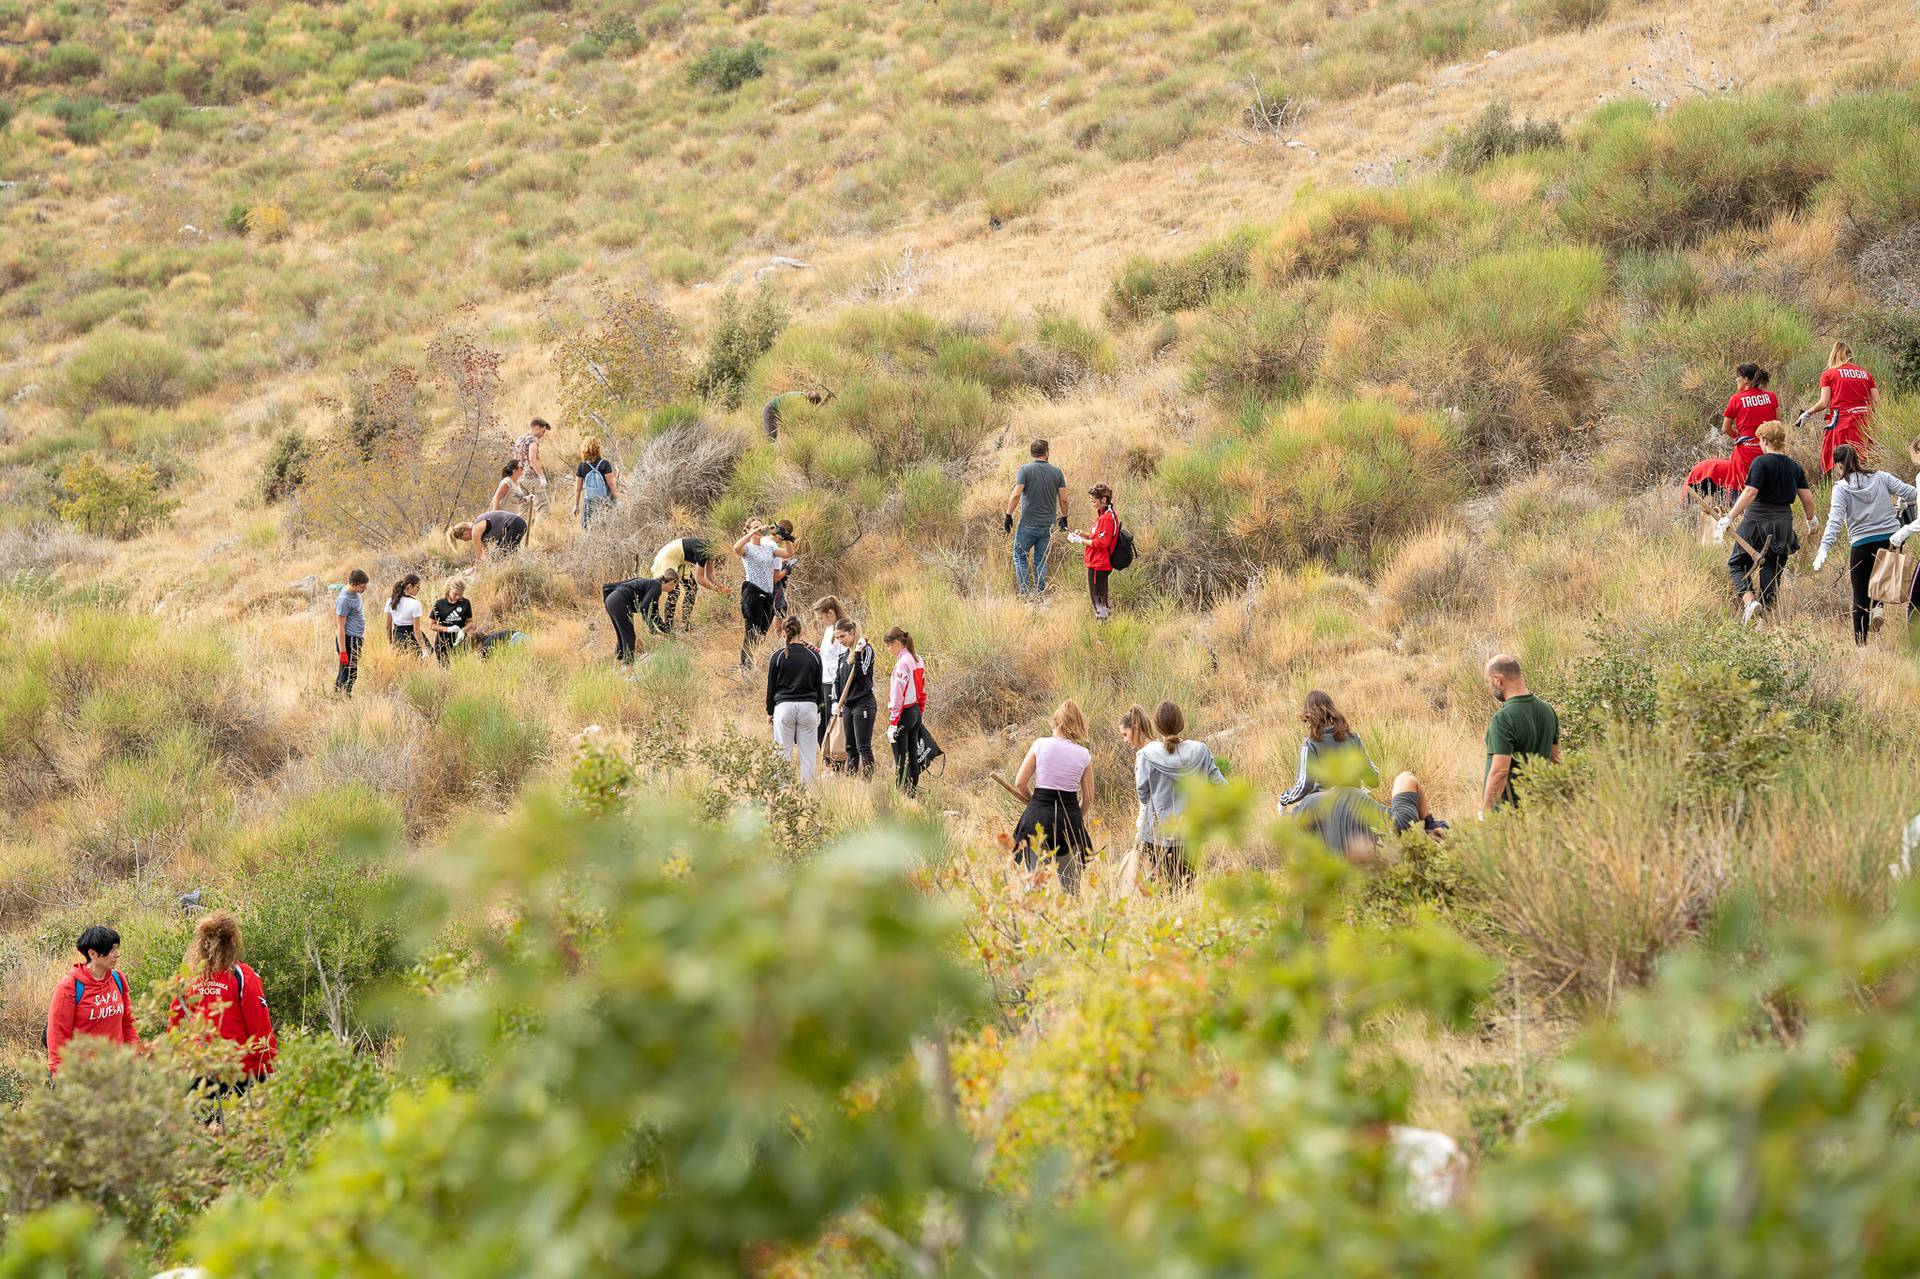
1763,517
1056,781
228,997
449,619
503,528
594,487
1848,396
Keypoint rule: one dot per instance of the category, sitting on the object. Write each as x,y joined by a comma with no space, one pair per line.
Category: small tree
120,502
743,331
627,357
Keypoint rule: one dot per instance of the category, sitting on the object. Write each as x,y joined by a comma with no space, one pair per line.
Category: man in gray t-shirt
1039,496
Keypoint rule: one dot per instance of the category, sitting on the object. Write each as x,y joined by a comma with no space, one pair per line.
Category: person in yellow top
691,559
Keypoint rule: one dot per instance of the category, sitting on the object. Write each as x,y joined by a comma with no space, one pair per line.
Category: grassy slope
562,151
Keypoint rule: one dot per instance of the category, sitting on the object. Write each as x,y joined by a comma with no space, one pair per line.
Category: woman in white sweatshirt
1867,502
1157,772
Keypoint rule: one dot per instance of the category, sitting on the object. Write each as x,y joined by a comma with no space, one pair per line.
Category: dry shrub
1889,268
32,878
509,587
41,549
677,478
1436,573
377,744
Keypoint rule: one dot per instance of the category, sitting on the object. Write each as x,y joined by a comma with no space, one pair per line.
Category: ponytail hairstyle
1135,724
513,467
1841,354
1753,373
1070,723
830,604
1170,724
790,629
1323,718
214,946
846,626
1846,460
400,589
898,636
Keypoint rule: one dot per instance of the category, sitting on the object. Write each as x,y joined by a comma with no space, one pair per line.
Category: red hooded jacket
1106,531
102,1009
235,1004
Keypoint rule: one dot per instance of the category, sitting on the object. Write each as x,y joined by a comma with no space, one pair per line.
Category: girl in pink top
1056,780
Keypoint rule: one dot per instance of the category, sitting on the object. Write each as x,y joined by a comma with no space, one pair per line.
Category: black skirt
1052,820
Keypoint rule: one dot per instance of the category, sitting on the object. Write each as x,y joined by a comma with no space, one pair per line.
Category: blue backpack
80,989
593,492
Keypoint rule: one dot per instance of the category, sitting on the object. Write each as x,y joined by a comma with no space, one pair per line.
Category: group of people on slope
811,690
1039,498
220,995
522,491
412,627
681,567
1847,400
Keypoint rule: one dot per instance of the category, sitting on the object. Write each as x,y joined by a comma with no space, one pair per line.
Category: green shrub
1253,345
743,331
112,502
1493,134
490,742
164,109
725,68
1014,192
1569,15
85,121
122,368
91,309
1877,178
285,467
1065,351
69,61
317,1085
1151,286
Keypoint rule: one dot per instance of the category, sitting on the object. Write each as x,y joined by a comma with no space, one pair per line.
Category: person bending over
638,595
503,529
691,559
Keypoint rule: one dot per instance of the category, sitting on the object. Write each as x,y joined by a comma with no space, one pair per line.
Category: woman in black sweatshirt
855,696
793,699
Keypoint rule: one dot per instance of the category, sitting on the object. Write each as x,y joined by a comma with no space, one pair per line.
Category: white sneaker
1877,618
1753,610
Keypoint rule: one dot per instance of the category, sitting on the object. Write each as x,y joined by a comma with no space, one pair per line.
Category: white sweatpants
796,726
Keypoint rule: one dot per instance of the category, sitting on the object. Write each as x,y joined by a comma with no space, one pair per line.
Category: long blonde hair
1841,354
458,533
1068,722
590,449
215,945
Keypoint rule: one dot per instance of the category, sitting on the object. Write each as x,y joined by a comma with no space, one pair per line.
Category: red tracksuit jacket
216,999
101,1010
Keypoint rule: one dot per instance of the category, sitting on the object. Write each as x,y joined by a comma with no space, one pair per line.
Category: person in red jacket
228,997
1750,405
1848,396
1099,553
92,999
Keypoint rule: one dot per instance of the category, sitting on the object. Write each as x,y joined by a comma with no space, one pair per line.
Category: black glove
1007,526
1063,523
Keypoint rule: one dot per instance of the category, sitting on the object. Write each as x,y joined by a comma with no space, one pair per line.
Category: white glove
1813,523
1819,559
1720,527
893,733
1900,536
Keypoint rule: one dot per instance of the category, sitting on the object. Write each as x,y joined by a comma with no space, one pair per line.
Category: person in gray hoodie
1868,503
1158,769
1330,754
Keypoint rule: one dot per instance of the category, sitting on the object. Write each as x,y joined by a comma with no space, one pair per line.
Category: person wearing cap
1099,549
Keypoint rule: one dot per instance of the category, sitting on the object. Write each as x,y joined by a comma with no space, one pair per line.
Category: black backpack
1122,553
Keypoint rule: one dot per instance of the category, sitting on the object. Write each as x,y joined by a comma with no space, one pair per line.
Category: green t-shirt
1523,727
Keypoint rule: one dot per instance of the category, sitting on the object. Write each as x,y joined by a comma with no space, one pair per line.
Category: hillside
1393,326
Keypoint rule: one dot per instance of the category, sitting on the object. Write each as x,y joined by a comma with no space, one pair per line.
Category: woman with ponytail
1867,503
906,707
1848,396
793,698
1158,770
403,614
228,997
1750,405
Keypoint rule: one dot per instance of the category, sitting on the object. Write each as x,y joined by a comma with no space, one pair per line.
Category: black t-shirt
603,466
452,613
1776,478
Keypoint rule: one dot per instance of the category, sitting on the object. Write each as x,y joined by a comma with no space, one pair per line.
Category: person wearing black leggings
855,696
624,599
1867,503
906,705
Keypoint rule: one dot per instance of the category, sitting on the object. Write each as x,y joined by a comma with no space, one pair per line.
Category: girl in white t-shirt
403,615
1056,780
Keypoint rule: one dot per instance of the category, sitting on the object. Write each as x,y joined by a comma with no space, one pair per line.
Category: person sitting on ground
1523,728
403,615
1099,553
1865,502
1158,770
1056,781
1351,822
1749,408
503,528
637,595
229,997
1039,496
91,999
526,450
508,493
854,695
1766,535
449,619
906,707
691,559
350,631
1848,398
793,699
759,561
1331,750
594,487
770,415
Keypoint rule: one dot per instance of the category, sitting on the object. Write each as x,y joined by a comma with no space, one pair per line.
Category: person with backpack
1056,781
1039,497
691,560
854,696
1158,770
1766,535
1867,503
1100,546
1848,396
760,561
403,612
228,997
1749,407
350,631
503,528
91,999
1331,754
526,450
594,488
906,707
793,699
639,595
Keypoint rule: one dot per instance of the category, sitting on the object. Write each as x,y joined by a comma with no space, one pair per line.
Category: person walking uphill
1867,502
1039,497
1766,536
1848,396
91,999
906,707
1523,728
793,699
228,996
350,631
1158,769
526,450
594,486
1750,407
1099,553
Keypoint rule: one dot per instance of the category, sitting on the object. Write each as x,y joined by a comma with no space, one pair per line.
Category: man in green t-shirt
1523,728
